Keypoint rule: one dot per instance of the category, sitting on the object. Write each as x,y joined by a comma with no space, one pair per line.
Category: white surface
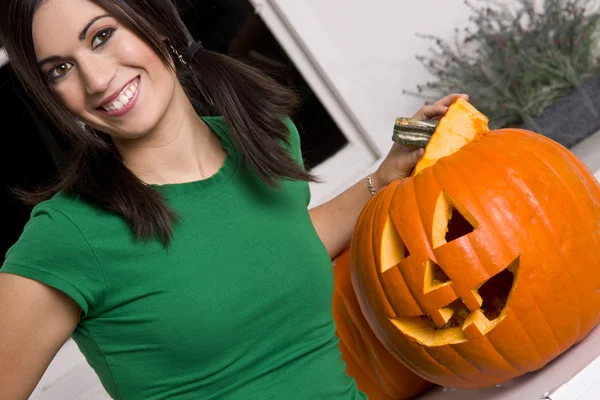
3,57
336,172
69,377
365,54
584,386
545,383
359,151
368,51
589,152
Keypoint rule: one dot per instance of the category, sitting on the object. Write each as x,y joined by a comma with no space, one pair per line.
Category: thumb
417,154
410,161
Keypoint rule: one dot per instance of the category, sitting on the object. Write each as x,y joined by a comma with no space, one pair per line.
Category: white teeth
123,99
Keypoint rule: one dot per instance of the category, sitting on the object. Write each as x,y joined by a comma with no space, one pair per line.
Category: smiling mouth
123,102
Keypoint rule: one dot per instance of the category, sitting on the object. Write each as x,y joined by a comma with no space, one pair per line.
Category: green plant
516,60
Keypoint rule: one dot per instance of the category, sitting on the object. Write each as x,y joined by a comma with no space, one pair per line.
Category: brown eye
59,71
62,69
102,37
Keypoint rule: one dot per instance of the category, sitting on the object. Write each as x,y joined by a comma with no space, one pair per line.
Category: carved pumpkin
376,372
485,264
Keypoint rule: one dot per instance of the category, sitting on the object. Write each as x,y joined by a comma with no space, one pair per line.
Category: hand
439,108
401,159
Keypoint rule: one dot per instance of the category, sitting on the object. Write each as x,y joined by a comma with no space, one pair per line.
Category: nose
97,74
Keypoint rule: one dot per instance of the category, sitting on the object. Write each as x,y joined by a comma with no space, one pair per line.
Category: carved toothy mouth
470,311
461,323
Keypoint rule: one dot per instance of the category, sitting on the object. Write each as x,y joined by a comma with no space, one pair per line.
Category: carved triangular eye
435,277
439,276
451,221
495,291
392,250
458,226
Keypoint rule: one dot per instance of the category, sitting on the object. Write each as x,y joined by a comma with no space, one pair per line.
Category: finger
434,111
446,101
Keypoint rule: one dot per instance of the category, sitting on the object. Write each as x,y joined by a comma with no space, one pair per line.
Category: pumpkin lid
461,125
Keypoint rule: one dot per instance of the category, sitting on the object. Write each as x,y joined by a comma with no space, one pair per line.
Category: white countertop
574,375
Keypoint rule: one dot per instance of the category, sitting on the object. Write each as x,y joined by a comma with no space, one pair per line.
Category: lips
122,101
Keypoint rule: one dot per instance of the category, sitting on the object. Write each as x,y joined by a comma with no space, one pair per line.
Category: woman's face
104,74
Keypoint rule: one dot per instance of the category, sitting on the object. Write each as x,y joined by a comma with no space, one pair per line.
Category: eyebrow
82,36
83,33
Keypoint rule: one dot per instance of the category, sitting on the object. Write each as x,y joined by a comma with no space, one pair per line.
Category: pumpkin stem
412,132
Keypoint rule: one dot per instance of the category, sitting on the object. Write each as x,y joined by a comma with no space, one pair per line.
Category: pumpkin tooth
442,316
476,325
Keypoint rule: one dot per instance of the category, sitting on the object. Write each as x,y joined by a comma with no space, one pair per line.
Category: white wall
3,57
368,50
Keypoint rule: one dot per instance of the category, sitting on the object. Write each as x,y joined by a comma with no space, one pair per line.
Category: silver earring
179,56
207,97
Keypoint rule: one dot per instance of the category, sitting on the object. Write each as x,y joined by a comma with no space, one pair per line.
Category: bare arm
35,321
334,220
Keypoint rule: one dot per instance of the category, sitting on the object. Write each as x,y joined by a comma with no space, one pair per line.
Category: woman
177,250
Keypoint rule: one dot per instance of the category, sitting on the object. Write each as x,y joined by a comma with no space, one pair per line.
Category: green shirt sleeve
53,251
295,150
295,147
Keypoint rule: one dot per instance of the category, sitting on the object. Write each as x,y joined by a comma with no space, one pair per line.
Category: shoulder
293,132
53,249
52,224
292,144
220,123
62,226
67,213
62,203
74,209
217,124
215,120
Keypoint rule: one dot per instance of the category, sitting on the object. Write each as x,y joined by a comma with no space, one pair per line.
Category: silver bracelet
370,184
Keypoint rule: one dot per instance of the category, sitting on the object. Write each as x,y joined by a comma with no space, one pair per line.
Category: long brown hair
253,104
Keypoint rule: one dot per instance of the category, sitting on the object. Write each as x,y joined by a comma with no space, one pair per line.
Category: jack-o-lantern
485,264
376,372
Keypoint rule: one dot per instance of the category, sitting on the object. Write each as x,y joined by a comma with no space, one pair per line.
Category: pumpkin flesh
461,125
